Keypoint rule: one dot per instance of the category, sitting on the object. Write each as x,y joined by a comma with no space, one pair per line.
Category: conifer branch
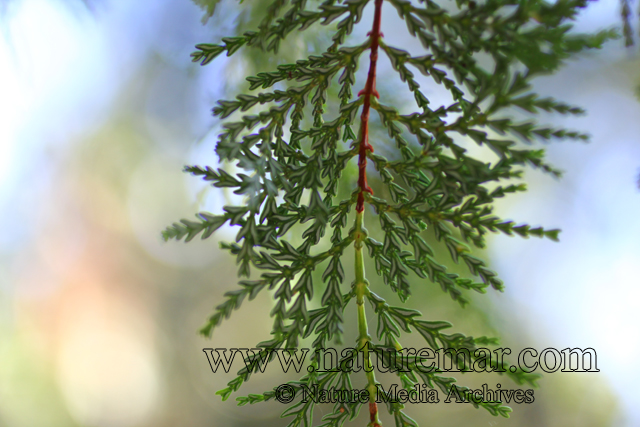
433,202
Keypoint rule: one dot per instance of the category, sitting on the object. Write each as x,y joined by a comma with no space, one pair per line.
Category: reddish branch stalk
369,89
373,414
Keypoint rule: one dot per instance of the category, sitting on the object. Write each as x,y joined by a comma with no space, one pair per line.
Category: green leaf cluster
293,162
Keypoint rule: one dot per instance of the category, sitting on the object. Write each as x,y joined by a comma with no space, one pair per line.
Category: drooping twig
369,89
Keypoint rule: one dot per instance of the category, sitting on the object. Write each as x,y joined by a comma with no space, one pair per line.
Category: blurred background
100,108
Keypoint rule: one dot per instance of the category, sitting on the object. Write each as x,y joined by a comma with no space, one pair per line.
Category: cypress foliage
294,144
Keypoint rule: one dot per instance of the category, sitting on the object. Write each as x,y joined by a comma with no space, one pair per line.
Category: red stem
373,414
369,89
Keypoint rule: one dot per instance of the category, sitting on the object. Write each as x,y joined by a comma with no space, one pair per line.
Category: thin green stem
361,287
